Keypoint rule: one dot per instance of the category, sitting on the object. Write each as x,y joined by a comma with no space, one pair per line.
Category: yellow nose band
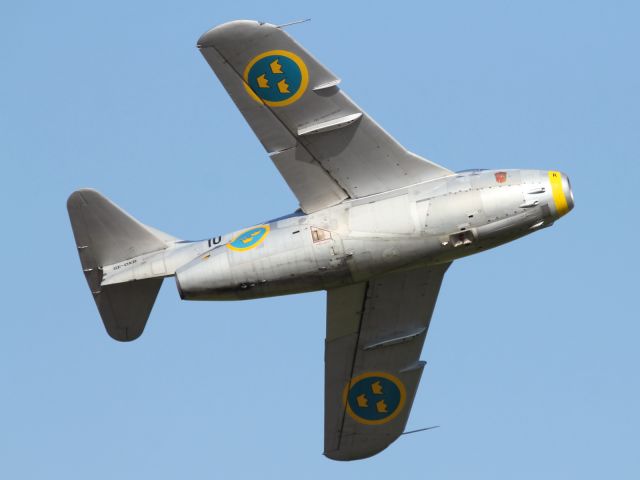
558,193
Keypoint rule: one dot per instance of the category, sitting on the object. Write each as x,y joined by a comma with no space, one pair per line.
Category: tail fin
105,234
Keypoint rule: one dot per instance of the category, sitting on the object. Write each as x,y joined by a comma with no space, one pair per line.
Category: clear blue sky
533,351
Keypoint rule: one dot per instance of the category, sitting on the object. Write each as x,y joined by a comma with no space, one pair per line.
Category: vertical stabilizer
105,234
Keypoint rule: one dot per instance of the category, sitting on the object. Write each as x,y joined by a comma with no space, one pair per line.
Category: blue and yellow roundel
374,398
249,239
276,78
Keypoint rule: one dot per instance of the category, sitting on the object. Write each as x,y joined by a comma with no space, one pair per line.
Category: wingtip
208,38
358,451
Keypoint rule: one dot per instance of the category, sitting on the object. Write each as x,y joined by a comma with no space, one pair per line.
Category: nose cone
568,193
561,193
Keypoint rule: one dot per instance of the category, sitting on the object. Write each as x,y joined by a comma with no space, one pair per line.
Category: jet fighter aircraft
377,228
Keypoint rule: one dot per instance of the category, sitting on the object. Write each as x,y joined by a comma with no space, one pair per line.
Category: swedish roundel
249,238
276,78
374,398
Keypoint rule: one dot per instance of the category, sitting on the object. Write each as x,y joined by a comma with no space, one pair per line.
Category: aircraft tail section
105,234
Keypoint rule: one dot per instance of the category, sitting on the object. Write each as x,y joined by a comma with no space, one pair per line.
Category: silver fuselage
427,223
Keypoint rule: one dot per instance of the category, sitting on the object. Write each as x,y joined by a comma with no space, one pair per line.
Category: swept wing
375,333
325,146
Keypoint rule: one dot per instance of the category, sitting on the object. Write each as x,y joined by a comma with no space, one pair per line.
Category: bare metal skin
429,223
377,228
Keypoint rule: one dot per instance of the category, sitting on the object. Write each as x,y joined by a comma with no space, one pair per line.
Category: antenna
420,430
295,22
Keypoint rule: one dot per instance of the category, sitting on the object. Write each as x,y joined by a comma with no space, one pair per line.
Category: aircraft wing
375,333
325,146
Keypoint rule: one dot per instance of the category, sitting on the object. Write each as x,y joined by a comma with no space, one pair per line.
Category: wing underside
375,333
325,146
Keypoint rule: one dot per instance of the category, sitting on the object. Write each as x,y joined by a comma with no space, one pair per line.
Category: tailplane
105,234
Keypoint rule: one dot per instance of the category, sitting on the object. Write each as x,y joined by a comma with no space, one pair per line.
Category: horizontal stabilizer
125,307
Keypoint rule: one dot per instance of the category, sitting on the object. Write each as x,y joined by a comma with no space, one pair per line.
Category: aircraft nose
568,192
561,192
